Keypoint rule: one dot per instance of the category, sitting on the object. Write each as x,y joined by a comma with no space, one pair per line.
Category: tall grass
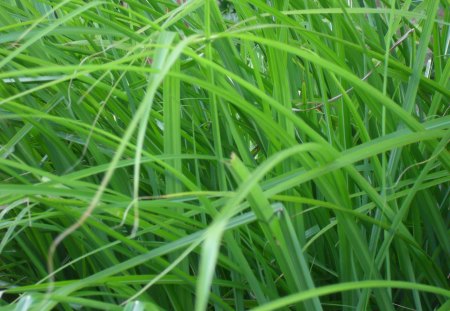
192,155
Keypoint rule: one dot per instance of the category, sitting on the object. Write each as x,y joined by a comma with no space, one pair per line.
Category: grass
231,155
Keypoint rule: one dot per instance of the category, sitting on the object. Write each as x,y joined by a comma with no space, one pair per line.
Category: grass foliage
192,155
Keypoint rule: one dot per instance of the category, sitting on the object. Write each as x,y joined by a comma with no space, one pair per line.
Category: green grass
224,155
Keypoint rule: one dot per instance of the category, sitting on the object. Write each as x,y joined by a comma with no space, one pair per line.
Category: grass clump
192,155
